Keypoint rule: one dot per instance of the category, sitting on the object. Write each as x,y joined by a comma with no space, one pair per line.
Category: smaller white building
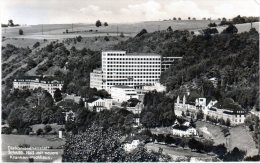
128,147
184,129
96,79
137,109
122,93
98,104
33,82
157,86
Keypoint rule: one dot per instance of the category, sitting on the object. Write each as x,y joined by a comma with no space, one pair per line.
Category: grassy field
54,127
55,31
177,153
240,137
33,141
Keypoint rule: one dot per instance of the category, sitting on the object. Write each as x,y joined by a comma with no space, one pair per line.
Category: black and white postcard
130,81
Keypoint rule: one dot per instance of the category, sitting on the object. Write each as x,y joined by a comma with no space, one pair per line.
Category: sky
121,11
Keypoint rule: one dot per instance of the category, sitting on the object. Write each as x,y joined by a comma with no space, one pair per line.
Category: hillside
231,58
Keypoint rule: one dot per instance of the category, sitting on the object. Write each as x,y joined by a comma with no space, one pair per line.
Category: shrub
39,131
36,44
106,38
47,128
20,32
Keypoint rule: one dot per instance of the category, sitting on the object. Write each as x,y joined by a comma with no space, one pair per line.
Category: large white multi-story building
132,69
33,82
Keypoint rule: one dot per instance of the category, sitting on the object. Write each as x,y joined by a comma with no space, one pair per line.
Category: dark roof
229,104
90,100
40,78
181,127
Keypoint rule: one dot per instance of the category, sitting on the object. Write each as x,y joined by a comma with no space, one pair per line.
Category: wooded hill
230,57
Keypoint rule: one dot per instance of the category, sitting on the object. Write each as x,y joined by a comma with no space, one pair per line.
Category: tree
148,120
106,38
105,24
39,131
122,34
47,128
231,29
174,18
188,18
142,32
95,144
200,114
79,38
36,44
212,24
98,23
220,150
228,122
169,29
234,155
10,23
57,95
20,32
179,18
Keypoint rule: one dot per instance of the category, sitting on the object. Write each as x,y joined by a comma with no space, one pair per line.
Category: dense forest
231,58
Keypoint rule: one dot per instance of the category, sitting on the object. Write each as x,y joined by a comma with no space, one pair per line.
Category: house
128,147
136,109
47,83
183,129
98,104
72,97
235,116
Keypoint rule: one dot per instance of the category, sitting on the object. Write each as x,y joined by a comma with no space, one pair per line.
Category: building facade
33,82
132,69
236,117
99,104
96,79
122,93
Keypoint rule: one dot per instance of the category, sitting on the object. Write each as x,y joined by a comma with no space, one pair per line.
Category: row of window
135,73
134,70
137,62
140,83
134,77
134,59
133,66
115,54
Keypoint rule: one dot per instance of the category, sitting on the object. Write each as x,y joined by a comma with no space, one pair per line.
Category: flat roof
122,86
105,51
144,54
